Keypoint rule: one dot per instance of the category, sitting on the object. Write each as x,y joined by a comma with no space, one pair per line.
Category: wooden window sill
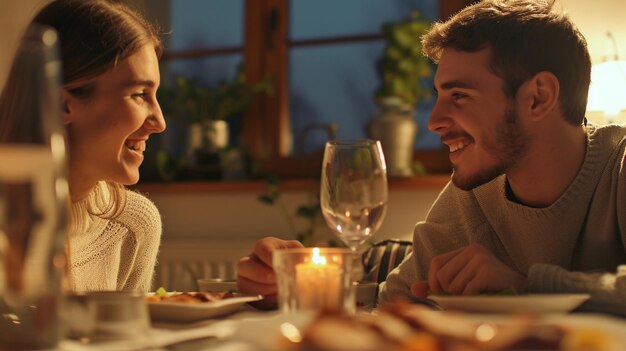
434,182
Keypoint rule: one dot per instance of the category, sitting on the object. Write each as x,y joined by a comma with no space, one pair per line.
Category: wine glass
353,194
33,195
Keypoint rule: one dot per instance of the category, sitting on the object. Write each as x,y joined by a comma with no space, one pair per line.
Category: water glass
33,196
106,316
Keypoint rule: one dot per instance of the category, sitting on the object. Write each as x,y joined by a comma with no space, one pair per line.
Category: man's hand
466,271
255,274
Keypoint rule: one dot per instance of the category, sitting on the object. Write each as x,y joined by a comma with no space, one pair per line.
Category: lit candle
319,283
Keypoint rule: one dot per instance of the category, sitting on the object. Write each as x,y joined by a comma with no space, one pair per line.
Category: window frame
266,127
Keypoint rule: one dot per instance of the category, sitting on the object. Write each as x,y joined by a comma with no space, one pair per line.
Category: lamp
607,92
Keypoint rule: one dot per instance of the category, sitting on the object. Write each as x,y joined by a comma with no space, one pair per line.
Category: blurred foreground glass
353,194
33,196
315,279
99,316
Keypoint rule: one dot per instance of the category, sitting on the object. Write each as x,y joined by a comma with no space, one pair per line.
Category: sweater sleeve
607,291
447,227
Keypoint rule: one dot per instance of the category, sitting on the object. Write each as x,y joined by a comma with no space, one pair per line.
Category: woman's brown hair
95,36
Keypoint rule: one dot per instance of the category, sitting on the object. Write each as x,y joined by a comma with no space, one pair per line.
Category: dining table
396,326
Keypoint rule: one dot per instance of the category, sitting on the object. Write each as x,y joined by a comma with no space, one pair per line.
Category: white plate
166,311
532,303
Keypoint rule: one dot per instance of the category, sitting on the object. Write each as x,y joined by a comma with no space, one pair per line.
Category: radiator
181,263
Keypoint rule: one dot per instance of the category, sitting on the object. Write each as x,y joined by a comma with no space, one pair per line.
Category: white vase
207,135
393,125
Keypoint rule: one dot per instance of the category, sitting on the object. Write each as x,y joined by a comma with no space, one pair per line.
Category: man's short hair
525,37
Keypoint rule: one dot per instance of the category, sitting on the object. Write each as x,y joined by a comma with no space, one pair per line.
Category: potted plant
403,70
206,112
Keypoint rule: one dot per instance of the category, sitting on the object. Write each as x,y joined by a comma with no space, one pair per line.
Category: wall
240,216
594,19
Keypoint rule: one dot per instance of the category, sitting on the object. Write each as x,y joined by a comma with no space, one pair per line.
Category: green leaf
266,199
307,211
272,179
168,167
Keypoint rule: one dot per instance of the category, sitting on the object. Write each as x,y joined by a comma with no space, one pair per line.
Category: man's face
475,119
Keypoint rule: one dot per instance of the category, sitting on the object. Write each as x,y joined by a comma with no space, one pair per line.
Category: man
537,199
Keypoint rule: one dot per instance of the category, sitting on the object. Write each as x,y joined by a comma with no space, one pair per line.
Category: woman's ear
544,89
66,106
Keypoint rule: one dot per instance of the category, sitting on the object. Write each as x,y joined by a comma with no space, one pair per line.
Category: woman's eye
142,95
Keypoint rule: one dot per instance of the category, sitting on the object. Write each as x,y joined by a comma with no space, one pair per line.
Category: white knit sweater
119,253
584,230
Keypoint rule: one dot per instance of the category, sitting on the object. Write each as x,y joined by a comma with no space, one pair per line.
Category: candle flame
317,258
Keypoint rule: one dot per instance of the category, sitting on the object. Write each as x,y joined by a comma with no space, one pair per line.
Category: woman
109,107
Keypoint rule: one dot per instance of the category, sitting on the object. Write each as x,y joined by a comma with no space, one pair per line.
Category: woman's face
108,131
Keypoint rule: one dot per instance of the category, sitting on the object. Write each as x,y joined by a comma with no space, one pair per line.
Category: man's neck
550,166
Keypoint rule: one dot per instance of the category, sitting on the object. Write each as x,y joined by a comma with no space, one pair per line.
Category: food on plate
190,297
404,327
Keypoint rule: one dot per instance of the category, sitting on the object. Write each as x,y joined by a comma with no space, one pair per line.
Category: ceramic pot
204,142
211,135
393,125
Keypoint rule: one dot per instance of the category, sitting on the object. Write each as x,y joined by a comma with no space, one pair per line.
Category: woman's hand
255,274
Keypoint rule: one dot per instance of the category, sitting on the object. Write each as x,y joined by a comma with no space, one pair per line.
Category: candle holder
315,279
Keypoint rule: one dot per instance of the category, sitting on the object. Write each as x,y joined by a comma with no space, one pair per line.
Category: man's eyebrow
455,84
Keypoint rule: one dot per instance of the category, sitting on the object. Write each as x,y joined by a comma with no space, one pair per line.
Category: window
280,38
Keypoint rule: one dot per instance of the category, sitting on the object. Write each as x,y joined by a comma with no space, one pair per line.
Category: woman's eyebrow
137,82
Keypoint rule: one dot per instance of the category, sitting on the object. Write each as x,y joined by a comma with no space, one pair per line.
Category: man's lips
459,145
457,141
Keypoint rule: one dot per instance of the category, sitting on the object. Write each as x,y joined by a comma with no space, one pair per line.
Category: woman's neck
79,188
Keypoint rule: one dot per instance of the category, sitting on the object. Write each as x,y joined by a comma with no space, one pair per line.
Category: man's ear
543,92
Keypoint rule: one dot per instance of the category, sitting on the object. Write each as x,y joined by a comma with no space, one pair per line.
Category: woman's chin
130,178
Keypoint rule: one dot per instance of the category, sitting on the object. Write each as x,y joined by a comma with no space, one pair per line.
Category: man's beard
509,146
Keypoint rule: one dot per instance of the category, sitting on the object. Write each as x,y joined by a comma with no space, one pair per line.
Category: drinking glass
318,278
353,194
33,196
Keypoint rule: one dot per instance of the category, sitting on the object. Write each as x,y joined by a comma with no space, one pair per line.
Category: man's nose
438,120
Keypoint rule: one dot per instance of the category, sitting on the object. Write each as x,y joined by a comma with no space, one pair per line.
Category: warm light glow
317,258
485,332
319,283
290,332
607,93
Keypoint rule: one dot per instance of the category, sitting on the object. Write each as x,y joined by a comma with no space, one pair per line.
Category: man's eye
458,96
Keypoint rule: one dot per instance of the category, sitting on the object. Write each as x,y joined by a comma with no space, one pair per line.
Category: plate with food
194,306
513,303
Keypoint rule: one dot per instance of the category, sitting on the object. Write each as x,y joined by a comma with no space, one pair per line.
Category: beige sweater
584,230
119,253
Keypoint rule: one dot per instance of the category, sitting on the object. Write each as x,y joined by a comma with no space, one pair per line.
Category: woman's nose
156,122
